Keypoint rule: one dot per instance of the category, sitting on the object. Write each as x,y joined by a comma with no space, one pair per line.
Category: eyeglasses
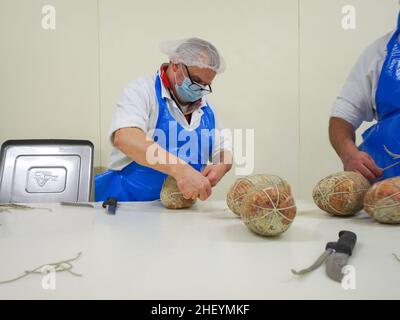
197,86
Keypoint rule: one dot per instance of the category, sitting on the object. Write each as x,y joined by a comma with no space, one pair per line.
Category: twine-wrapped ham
269,209
241,187
382,201
342,193
171,197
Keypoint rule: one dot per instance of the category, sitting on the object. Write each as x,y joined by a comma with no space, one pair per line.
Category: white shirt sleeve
132,109
356,102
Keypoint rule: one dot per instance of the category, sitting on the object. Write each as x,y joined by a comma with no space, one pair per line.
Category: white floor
148,252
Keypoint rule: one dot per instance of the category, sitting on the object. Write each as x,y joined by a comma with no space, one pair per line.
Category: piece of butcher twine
6,207
61,266
394,156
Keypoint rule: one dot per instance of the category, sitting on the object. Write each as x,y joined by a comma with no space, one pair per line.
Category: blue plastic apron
140,183
382,140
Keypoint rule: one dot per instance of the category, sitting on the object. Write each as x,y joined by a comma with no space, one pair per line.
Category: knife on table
336,256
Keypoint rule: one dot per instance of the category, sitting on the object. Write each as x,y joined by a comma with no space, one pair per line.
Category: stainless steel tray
46,171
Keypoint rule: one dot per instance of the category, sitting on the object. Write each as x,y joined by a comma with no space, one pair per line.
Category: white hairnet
194,52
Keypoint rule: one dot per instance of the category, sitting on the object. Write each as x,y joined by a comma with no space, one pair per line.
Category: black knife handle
112,205
345,244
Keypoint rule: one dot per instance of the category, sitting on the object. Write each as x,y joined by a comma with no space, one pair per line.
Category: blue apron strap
398,22
382,81
393,41
162,104
212,125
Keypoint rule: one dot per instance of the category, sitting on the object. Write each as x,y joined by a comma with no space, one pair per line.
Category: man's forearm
342,137
134,143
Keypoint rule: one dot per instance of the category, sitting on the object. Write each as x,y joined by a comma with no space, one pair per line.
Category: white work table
148,252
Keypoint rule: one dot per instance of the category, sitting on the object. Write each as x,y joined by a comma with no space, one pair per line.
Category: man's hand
363,163
215,172
193,184
342,136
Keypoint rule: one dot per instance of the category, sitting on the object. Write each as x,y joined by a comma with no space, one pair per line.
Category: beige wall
287,60
49,79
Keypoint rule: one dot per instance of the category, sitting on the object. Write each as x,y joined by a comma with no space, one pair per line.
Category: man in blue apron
372,91
164,125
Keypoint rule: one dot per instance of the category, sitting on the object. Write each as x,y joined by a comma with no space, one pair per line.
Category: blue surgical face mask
187,94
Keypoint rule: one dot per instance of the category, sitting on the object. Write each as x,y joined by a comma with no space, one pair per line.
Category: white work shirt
138,107
356,102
